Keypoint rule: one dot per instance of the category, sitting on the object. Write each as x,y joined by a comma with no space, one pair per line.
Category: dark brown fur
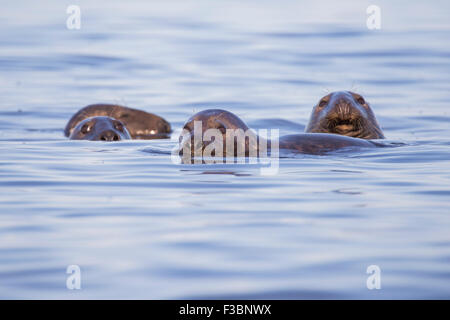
140,124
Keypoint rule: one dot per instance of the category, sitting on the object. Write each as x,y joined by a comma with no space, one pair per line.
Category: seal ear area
360,100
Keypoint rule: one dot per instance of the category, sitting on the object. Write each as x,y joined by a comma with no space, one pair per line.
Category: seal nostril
116,137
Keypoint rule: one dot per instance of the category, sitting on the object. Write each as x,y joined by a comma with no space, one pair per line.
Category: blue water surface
140,226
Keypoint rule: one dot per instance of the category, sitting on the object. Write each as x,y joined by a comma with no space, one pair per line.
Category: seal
140,124
213,130
100,129
345,113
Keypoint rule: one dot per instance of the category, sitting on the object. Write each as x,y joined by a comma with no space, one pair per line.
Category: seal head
345,113
218,126
100,129
140,124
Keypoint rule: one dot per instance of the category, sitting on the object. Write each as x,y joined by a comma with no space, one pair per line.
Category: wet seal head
345,113
100,129
216,126
140,124
214,130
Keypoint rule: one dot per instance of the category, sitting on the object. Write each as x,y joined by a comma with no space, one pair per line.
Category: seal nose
109,136
345,109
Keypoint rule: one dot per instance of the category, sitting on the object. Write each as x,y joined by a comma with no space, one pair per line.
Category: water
140,226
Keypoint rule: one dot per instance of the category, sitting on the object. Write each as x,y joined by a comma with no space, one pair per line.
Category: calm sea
140,226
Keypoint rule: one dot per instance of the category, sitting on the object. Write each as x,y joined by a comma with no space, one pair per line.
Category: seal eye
118,126
361,100
323,103
86,128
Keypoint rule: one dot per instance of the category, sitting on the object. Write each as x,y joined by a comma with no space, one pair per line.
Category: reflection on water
140,226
